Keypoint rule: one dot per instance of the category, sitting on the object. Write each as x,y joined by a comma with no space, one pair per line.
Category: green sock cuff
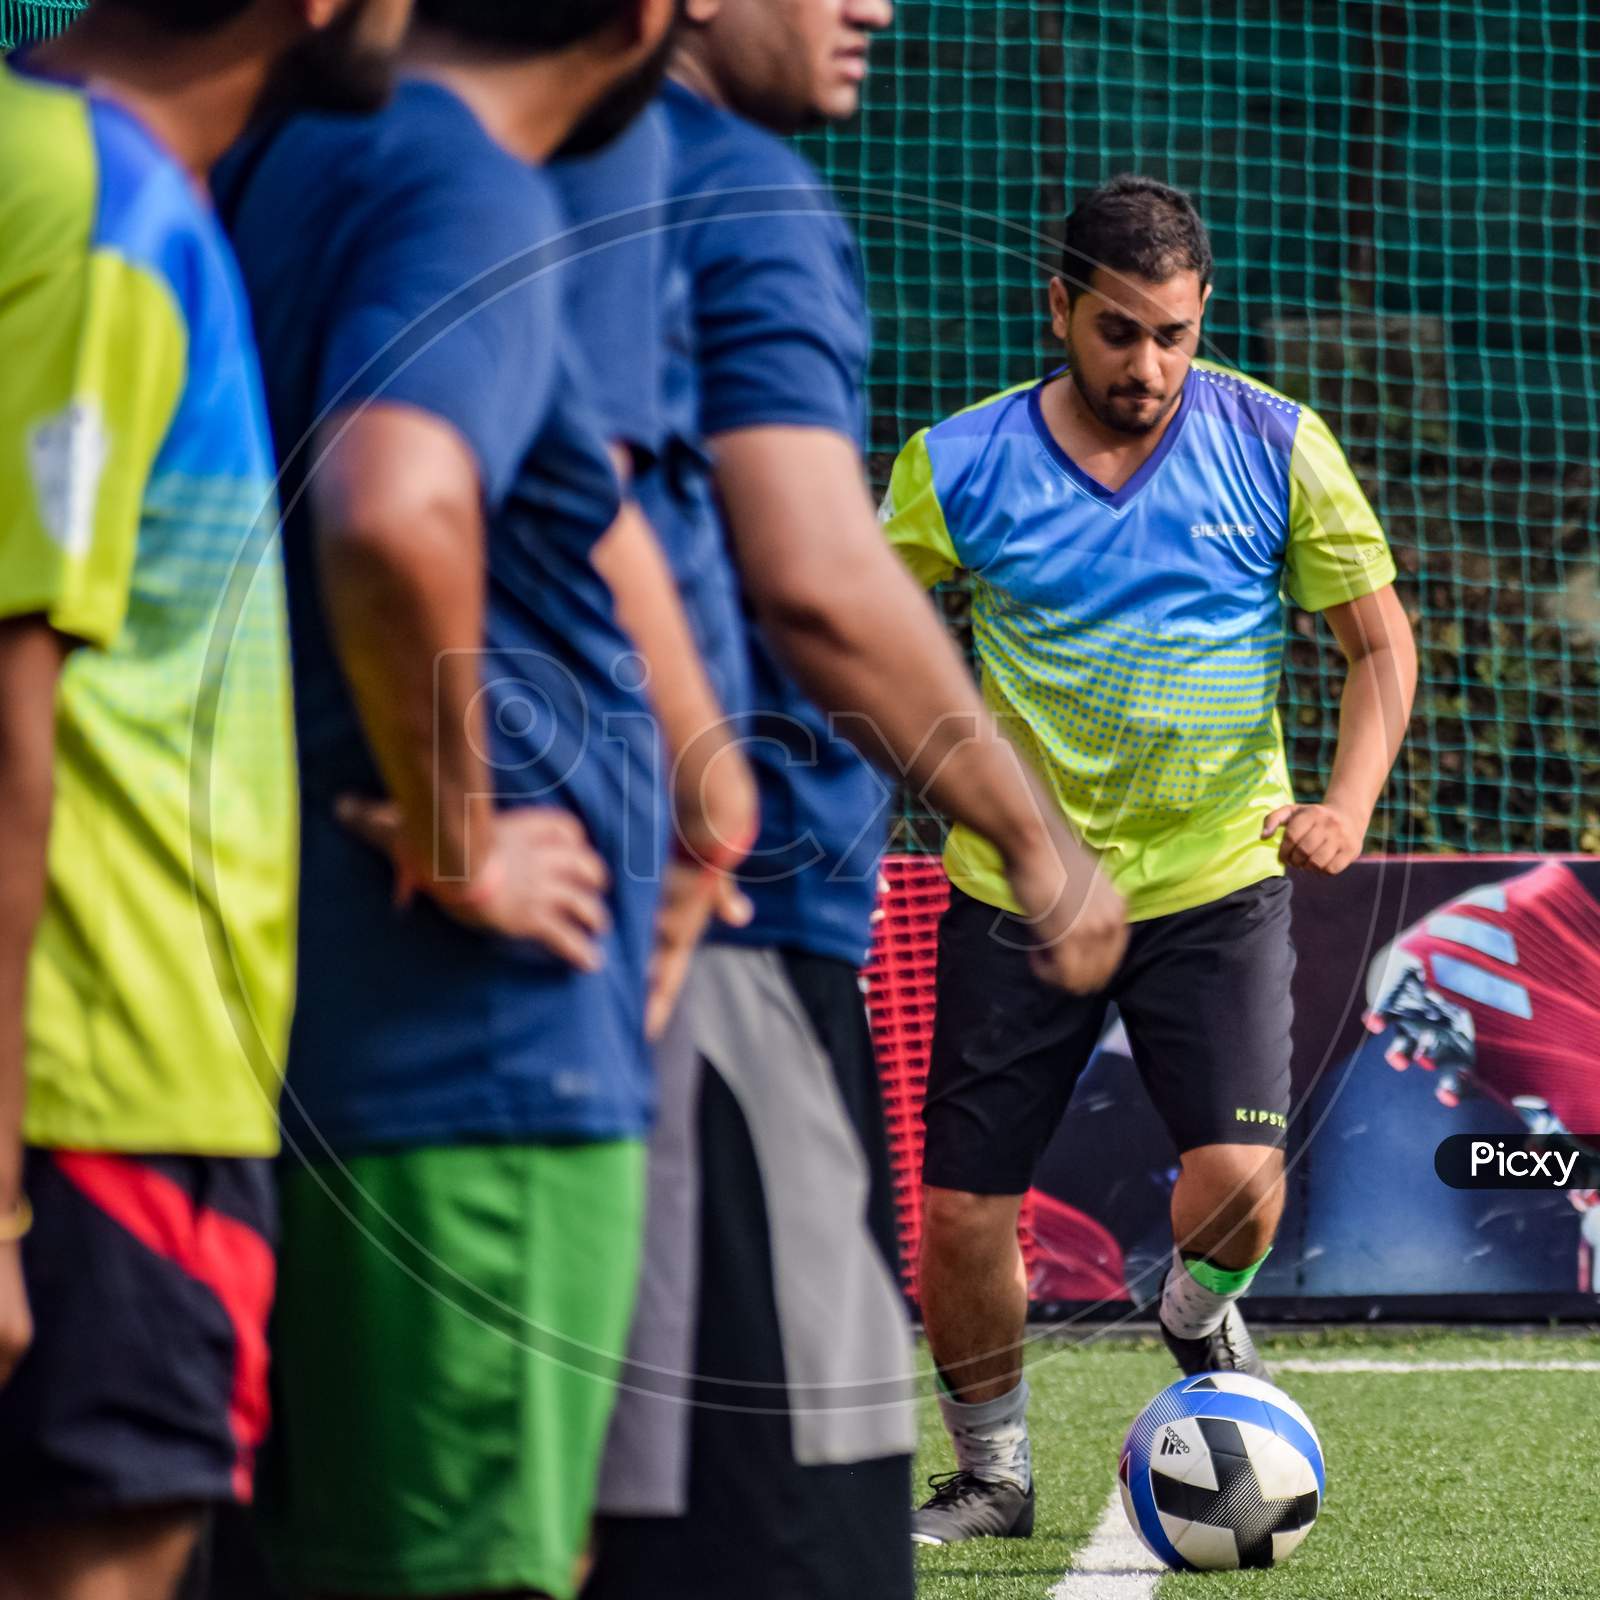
1222,1280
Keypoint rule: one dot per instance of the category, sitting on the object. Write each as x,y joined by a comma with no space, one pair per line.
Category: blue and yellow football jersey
137,514
1131,642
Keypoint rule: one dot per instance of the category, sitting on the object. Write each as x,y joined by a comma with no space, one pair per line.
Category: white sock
1192,1309
991,1438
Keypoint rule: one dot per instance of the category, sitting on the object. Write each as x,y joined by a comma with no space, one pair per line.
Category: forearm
19,910
874,652
30,662
1373,713
401,569
860,636
714,812
651,613
864,642
413,670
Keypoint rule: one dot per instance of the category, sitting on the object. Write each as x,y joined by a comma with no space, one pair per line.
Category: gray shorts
769,1381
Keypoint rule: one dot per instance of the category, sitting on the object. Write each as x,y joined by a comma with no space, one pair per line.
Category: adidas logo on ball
1172,1445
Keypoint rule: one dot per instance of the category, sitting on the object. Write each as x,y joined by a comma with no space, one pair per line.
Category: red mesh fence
900,1001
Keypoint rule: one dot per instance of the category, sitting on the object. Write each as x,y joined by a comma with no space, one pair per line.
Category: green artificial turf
1082,1400
1441,1486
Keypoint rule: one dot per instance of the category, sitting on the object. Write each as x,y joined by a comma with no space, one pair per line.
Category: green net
1405,202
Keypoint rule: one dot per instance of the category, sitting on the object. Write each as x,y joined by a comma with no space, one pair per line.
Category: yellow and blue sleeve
99,357
95,355
913,519
1337,551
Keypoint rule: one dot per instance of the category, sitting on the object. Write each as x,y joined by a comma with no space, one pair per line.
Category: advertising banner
1447,1103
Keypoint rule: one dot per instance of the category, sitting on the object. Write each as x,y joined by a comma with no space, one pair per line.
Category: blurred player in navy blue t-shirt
777,1277
622,249
485,636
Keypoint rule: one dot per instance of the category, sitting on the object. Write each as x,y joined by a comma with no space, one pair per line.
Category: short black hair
187,16
537,27
531,25
1138,226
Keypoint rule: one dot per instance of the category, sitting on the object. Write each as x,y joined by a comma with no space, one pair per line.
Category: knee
1257,1193
1239,1193
956,1225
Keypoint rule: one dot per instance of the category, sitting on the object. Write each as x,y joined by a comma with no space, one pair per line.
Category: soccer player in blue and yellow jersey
763,1441
469,602
1129,525
146,782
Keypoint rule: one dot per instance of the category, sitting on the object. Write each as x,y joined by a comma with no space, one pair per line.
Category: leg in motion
1225,1213
1007,1050
975,1307
1209,1013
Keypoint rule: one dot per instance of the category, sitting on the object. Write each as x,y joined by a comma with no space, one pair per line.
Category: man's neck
690,69
527,105
194,93
1108,455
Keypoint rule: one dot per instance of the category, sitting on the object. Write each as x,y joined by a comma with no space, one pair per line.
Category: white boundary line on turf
1113,1565
1363,1366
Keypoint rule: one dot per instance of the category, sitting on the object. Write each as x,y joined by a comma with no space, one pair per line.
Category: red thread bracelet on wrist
720,858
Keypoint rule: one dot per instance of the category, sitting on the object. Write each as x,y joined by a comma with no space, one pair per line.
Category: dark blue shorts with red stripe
150,1279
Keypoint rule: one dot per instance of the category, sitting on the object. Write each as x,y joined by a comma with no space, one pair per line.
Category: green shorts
448,1331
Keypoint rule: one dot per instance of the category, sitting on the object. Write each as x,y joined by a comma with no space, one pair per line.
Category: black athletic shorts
150,1280
1203,994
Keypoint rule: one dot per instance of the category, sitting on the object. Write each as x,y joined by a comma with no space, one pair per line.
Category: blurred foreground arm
714,793
400,555
713,790
862,639
31,653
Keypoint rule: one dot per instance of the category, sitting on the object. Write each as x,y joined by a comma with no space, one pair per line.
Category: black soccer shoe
968,1507
1229,1349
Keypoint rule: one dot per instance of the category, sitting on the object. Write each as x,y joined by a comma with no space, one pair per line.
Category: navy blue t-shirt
781,337
625,285
406,258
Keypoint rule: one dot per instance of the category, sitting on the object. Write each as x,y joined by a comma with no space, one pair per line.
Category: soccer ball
1221,1471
